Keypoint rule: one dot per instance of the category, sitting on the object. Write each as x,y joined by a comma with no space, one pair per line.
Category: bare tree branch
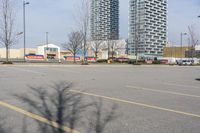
115,46
193,36
83,19
65,107
8,36
101,118
60,106
97,46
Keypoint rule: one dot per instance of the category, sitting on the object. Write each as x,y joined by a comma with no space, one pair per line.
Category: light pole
24,21
47,42
182,34
47,38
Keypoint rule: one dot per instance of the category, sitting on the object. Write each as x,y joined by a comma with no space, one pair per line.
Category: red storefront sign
71,58
92,59
35,57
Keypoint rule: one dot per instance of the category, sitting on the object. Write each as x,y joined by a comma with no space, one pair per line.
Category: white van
186,62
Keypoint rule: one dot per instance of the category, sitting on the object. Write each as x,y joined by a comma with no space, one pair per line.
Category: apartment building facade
104,19
147,27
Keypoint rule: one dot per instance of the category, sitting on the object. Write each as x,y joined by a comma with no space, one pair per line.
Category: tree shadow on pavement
65,108
2,126
5,126
100,117
198,79
58,106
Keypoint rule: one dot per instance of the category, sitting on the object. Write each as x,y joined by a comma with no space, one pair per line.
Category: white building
197,47
119,47
49,51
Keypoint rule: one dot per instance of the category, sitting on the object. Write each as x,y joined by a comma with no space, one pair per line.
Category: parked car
186,62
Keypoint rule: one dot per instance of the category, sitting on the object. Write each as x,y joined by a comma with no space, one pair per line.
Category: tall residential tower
147,27
104,19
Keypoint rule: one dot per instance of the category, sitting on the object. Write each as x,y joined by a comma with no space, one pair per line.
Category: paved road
149,99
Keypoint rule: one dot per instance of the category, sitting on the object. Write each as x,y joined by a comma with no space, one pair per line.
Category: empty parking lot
148,99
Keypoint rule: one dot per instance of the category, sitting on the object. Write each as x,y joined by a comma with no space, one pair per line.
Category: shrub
132,61
156,62
113,58
141,61
102,61
84,63
7,62
137,64
122,60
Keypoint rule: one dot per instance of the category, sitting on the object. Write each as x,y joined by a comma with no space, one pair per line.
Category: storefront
49,51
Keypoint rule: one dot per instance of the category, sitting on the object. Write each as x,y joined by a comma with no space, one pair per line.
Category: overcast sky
57,18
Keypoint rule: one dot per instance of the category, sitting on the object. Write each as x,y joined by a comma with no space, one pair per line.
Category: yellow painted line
136,103
175,84
36,117
163,91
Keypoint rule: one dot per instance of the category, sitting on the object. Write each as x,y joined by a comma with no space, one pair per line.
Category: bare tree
83,18
115,46
108,47
8,36
97,47
193,38
111,43
127,47
74,43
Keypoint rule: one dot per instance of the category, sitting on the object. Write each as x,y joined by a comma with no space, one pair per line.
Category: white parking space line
181,85
163,91
137,103
63,70
26,70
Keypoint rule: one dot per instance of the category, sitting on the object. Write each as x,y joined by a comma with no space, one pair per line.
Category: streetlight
47,43
24,21
182,34
47,38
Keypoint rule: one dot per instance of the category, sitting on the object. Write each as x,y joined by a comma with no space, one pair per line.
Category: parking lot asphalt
149,99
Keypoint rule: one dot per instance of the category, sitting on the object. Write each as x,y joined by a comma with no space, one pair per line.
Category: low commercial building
16,53
64,54
49,51
176,51
182,52
193,53
52,51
